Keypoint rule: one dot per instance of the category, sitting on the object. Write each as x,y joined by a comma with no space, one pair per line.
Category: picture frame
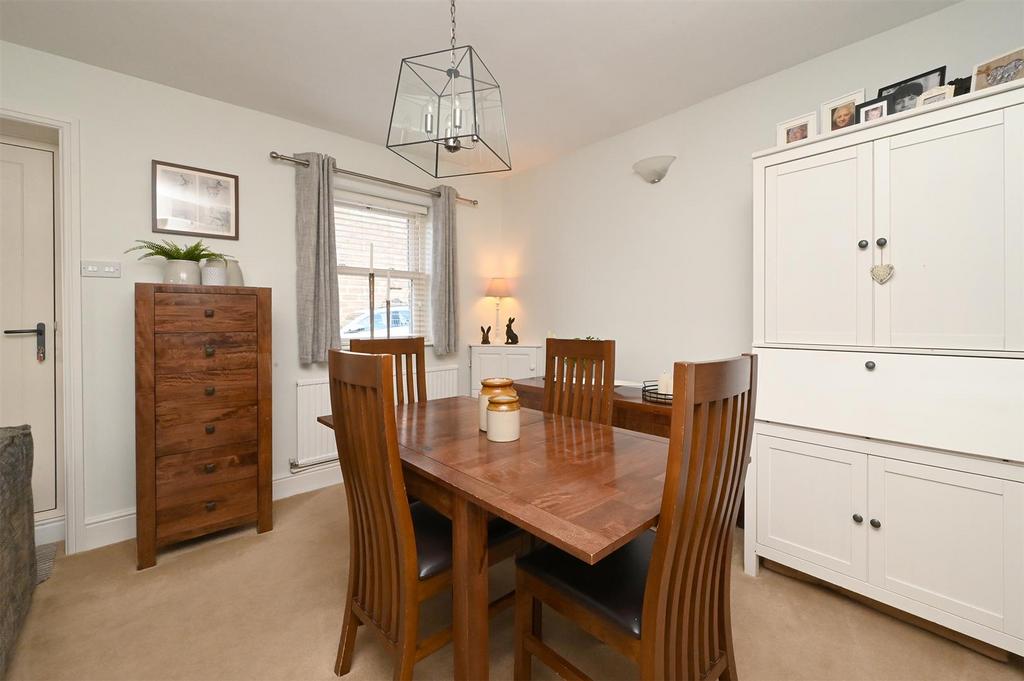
1005,68
840,113
903,94
935,95
797,129
191,201
873,109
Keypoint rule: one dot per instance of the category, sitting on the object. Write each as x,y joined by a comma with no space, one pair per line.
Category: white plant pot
215,273
182,272
234,273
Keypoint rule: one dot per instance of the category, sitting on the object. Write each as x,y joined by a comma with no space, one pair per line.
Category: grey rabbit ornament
485,336
511,337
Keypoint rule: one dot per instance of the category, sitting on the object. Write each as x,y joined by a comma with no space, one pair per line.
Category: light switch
101,268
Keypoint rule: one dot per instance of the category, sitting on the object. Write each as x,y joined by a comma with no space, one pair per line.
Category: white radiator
315,443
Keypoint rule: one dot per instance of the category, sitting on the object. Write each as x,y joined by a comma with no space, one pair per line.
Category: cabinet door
488,362
521,363
948,202
807,498
817,211
951,540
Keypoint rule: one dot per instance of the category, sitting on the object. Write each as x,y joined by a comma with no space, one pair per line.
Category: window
401,240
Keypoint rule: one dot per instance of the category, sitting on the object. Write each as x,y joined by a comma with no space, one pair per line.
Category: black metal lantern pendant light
447,118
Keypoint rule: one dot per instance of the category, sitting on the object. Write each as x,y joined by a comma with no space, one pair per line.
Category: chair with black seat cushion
663,598
409,363
400,553
579,378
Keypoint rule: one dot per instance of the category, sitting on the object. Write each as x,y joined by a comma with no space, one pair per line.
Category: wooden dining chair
400,553
408,354
579,378
663,598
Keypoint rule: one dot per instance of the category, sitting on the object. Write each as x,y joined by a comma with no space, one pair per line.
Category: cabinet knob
209,390
869,365
211,506
875,523
209,350
210,428
208,312
211,467
858,518
881,242
862,244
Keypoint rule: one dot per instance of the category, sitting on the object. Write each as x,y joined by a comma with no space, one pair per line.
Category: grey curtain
316,260
17,536
444,283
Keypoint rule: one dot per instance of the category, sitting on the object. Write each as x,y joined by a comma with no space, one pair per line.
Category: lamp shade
497,288
653,169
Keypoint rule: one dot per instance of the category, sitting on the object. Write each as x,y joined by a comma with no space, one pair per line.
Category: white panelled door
27,388
818,213
948,206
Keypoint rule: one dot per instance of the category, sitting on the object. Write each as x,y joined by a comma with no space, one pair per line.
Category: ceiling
572,72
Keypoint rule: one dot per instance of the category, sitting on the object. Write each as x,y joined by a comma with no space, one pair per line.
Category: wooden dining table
583,487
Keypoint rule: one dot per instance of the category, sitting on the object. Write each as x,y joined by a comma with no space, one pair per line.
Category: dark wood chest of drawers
203,413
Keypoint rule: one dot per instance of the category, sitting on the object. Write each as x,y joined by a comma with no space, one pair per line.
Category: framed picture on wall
796,129
194,201
903,95
841,112
1004,69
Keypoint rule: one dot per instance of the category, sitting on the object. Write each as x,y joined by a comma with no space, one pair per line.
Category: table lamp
497,288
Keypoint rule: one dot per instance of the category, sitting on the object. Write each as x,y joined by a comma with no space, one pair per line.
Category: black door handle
40,334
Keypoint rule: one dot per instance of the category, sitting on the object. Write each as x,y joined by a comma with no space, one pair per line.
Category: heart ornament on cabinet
882,273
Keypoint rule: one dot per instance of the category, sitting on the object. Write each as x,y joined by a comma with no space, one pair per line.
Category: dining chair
404,350
663,598
400,552
579,378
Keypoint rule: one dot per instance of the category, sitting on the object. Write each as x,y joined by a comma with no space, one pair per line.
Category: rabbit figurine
511,337
485,336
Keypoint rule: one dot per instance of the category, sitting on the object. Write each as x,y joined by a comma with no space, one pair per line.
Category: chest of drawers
203,412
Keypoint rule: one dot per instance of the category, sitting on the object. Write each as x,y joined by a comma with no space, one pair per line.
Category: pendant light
447,118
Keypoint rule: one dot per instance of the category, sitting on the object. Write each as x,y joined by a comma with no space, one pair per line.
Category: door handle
40,334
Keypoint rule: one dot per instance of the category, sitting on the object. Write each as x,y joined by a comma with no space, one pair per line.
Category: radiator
315,443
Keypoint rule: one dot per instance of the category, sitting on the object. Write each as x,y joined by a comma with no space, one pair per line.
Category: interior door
809,500
949,539
818,214
948,207
27,388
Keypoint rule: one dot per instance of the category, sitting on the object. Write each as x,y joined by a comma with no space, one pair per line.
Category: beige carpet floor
242,606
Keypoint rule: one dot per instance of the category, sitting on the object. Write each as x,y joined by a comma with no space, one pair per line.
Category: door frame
69,317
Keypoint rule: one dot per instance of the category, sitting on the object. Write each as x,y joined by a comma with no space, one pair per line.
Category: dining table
584,487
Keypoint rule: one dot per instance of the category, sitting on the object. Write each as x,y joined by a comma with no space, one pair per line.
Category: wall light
653,169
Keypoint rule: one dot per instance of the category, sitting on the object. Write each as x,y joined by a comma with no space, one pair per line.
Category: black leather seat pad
434,538
614,588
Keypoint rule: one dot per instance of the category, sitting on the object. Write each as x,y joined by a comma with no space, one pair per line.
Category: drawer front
178,353
180,429
227,386
205,509
177,473
963,404
180,312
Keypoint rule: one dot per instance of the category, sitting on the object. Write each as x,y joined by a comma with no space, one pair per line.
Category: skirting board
120,525
49,531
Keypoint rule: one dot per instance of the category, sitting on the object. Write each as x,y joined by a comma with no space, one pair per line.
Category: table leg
469,590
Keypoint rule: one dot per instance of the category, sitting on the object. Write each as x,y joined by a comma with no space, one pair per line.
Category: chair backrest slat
579,378
686,604
405,351
383,545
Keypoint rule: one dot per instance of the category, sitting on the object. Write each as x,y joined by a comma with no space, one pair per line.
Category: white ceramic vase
234,273
215,273
182,272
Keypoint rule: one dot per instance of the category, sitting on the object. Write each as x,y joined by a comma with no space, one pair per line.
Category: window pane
407,317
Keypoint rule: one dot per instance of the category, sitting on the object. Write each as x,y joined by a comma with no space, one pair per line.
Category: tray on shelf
650,393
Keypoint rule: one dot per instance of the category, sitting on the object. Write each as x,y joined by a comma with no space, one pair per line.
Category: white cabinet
505,361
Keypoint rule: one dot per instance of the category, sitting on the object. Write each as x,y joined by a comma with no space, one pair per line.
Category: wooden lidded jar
490,388
503,418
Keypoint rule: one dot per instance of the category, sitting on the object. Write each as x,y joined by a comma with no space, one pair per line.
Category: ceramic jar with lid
489,388
503,418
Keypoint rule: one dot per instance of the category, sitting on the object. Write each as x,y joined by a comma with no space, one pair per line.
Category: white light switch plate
101,268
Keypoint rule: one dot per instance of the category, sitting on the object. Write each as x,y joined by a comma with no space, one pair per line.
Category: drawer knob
881,242
857,517
862,244
875,523
211,467
210,429
210,390
869,365
211,506
207,312
209,350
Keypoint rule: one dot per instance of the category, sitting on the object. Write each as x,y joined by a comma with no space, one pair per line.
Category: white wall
666,269
126,122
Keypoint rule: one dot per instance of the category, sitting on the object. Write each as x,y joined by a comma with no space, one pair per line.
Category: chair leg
347,643
526,622
406,648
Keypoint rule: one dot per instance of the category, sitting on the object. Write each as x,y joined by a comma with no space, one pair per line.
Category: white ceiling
571,72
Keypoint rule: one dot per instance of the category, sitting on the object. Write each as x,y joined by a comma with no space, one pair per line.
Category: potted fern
182,265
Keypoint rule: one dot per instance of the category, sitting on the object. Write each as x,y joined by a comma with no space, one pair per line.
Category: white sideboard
888,451
504,361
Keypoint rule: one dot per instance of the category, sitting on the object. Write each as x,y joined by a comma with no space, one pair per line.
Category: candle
665,384
371,255
388,297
